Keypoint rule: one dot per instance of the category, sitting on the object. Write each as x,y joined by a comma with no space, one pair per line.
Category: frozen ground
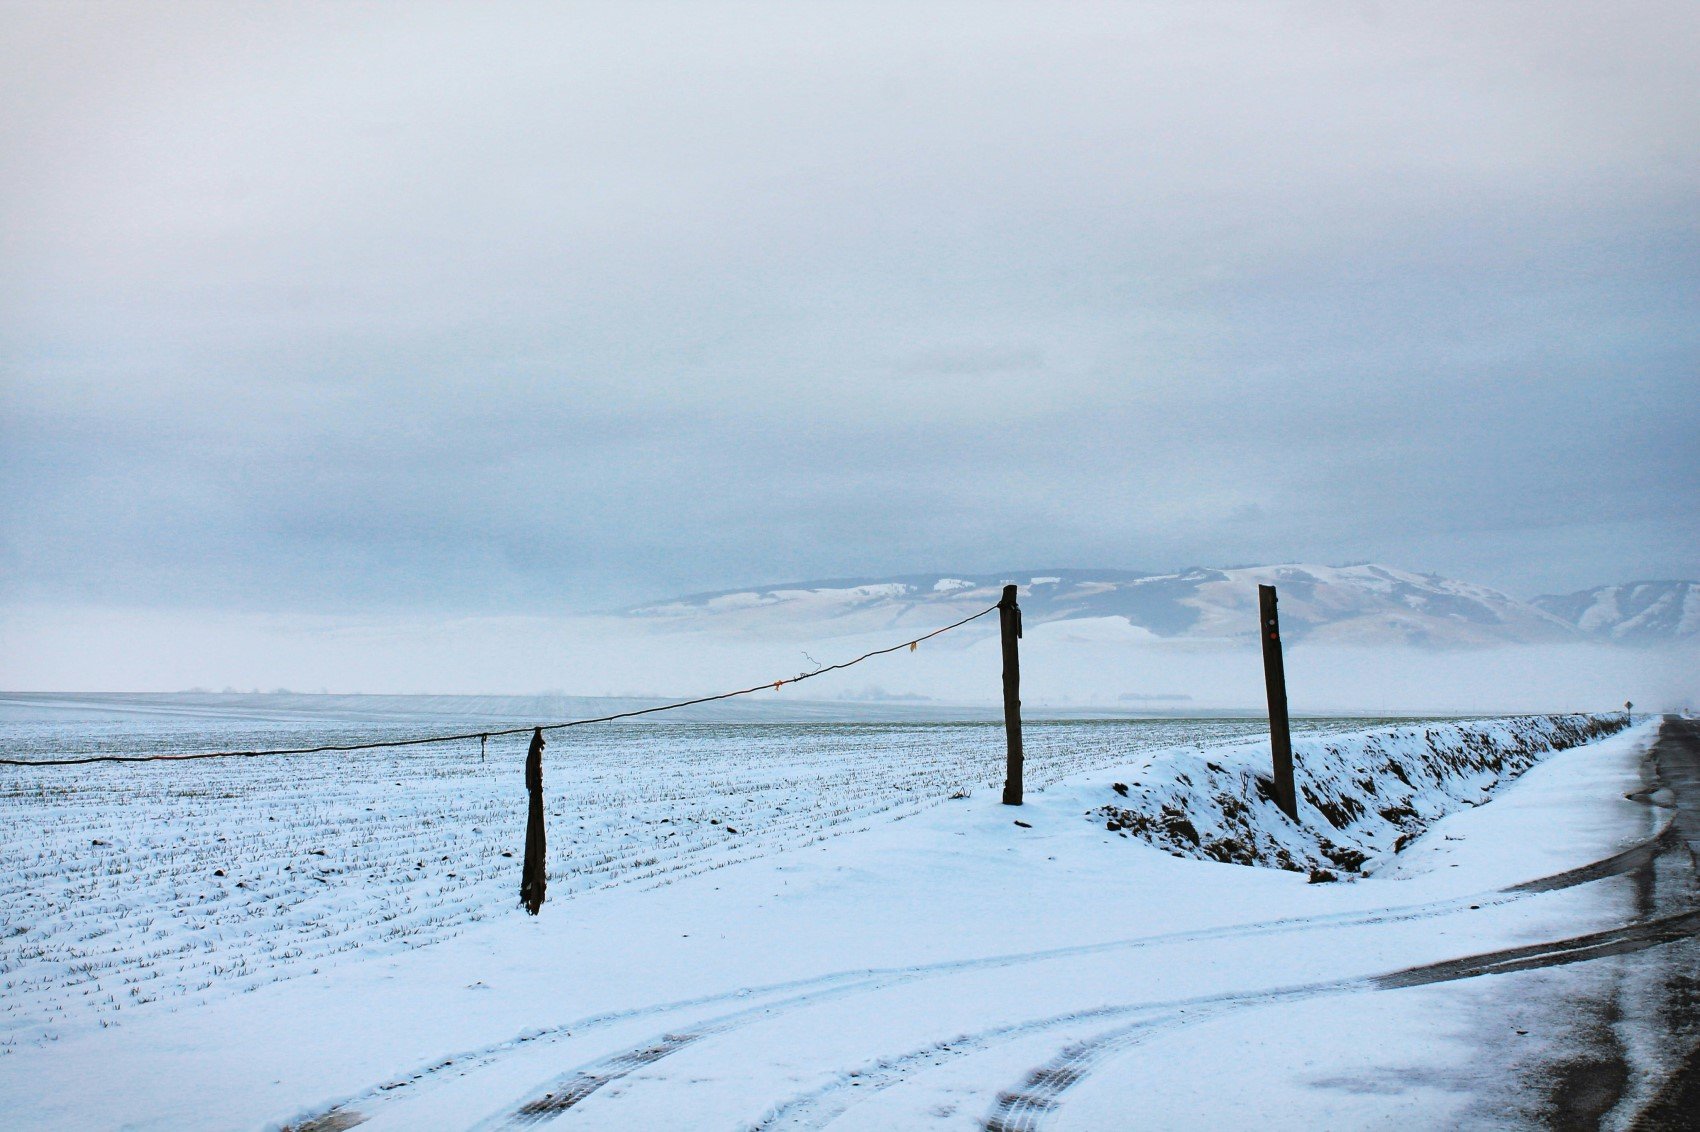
938,966
129,887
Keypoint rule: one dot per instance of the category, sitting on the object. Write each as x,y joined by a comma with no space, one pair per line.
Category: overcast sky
481,308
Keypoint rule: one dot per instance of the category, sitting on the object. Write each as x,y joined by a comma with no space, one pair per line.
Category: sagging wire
483,737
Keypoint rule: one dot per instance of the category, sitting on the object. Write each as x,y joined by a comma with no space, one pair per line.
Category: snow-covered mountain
1364,604
1635,613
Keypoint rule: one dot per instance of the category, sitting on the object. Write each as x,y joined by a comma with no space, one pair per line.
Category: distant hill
1634,613
1364,604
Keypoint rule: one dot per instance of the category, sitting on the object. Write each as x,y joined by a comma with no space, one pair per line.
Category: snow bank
1362,797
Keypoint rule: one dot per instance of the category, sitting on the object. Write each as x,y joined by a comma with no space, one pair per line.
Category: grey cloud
526,307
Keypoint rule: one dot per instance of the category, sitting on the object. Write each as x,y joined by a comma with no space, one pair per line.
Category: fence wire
329,748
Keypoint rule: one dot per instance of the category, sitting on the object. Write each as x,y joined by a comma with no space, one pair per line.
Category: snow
1362,603
1360,797
1643,612
1604,615
914,972
128,887
1087,630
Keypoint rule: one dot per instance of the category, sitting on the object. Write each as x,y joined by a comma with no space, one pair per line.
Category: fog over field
1063,664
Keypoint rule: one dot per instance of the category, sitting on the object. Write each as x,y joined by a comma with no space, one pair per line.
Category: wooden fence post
1275,686
534,876
1009,620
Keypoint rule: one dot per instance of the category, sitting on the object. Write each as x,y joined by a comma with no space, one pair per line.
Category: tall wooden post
534,876
1009,620
1275,685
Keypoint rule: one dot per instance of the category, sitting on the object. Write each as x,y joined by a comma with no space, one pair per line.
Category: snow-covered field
788,926
129,886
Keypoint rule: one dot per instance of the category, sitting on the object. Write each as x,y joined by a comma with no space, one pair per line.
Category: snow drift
1362,797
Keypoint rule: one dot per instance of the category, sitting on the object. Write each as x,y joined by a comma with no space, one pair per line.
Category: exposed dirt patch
330,1122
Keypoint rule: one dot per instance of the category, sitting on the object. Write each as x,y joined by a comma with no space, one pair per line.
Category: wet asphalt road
1675,762
1676,758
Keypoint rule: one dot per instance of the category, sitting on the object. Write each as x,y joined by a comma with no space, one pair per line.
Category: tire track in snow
821,1106
358,1108
1026,1107
817,989
572,1088
575,1086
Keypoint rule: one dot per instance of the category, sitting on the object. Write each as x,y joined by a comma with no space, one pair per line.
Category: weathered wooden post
1275,686
1009,620
534,876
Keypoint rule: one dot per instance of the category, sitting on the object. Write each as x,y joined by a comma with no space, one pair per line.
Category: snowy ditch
1362,797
